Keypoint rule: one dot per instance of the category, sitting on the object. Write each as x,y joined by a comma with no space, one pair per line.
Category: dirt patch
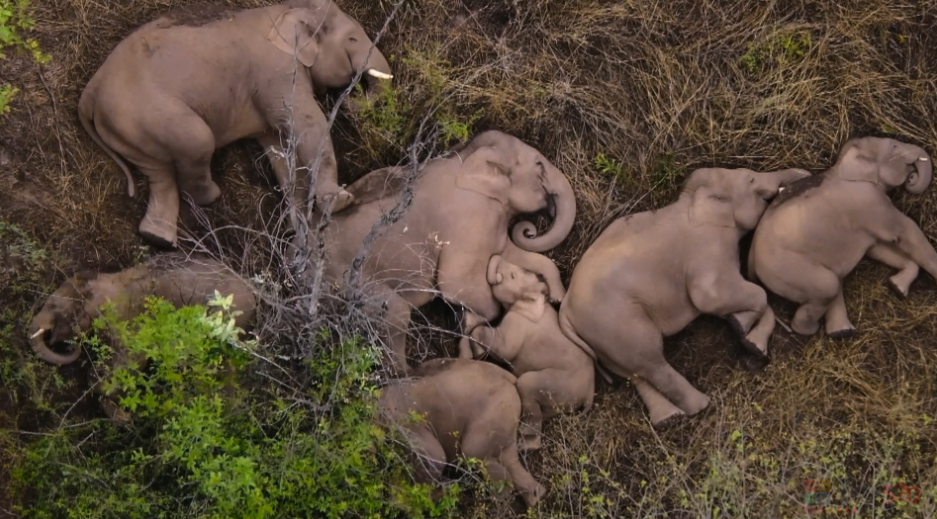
197,15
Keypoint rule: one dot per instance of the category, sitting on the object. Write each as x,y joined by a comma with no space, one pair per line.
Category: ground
625,97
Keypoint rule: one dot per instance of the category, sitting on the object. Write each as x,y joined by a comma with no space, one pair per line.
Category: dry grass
662,88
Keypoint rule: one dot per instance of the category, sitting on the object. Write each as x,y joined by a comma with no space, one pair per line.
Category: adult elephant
202,76
463,204
815,233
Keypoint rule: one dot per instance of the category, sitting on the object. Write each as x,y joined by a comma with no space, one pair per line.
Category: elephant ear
484,172
294,32
710,202
531,307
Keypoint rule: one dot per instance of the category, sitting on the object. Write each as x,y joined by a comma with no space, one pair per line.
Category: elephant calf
467,407
174,277
553,373
648,275
815,233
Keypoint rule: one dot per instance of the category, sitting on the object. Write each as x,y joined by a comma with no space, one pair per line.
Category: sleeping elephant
467,409
202,76
462,206
179,279
818,230
553,373
648,275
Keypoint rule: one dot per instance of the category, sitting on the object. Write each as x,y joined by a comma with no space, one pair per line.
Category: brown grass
663,88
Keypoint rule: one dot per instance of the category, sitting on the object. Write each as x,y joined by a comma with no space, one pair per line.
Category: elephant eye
353,39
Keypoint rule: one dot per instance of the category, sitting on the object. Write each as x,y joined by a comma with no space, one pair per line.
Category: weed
782,47
204,445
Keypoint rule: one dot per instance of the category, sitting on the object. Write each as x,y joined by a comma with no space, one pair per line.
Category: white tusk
922,159
37,334
378,74
781,189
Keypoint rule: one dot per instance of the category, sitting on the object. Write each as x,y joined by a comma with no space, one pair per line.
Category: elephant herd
197,79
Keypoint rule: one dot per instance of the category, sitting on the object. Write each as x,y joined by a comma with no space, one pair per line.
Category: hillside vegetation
626,97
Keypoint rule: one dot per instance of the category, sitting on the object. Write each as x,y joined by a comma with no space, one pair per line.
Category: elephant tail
570,333
86,115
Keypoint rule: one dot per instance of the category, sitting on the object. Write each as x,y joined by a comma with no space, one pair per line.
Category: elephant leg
159,224
838,325
661,411
822,294
900,283
534,388
397,320
192,153
756,340
431,457
530,490
643,355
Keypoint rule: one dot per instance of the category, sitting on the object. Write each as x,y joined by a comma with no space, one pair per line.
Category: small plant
782,48
209,441
7,93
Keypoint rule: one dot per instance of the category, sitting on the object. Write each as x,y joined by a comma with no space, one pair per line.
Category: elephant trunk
42,325
920,180
540,264
494,276
787,176
563,209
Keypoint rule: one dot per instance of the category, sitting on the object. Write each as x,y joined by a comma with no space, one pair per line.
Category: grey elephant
553,373
648,275
465,408
202,76
179,279
458,218
816,232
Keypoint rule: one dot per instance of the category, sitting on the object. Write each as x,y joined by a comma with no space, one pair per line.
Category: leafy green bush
14,20
211,440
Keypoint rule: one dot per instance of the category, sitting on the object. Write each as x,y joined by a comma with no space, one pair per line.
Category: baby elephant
179,279
465,407
553,373
816,232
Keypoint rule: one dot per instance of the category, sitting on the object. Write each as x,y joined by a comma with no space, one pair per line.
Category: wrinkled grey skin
463,204
553,374
650,274
181,281
815,233
201,76
469,409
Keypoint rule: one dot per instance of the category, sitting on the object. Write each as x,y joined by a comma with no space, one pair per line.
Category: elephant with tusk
815,234
458,218
648,275
179,279
202,76
553,373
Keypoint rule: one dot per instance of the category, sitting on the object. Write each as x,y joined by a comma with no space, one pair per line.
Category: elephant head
62,315
332,44
734,197
506,169
518,289
887,161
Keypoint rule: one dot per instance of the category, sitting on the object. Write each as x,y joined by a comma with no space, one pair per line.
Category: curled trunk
42,325
563,211
924,170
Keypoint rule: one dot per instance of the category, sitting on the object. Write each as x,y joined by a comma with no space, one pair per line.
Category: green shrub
210,440
782,48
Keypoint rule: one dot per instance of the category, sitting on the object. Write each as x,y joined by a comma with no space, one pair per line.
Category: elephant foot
338,201
897,287
206,195
529,442
162,235
755,349
804,327
843,333
668,420
695,404
532,498
740,327
115,413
